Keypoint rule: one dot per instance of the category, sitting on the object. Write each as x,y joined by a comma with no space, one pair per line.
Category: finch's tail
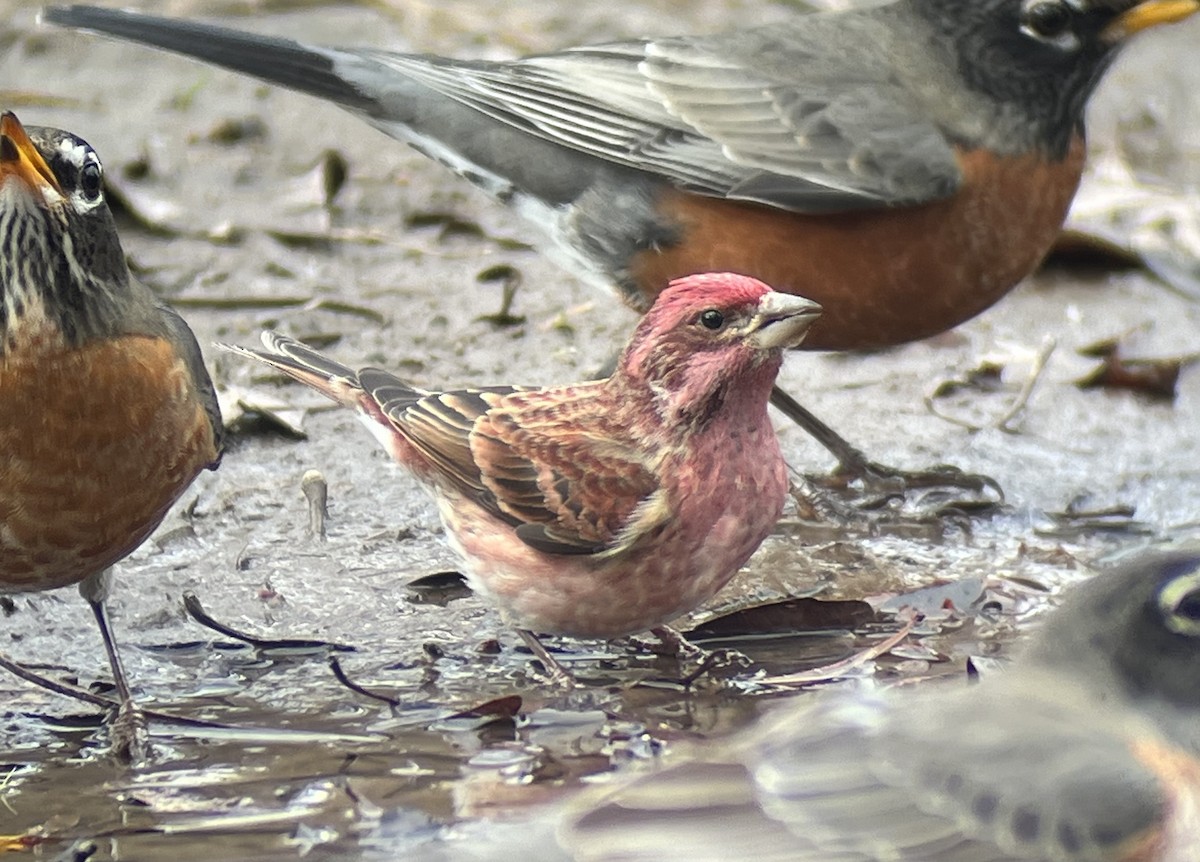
309,366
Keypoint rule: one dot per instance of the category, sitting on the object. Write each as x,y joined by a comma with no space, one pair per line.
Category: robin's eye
712,319
1179,601
1047,20
91,182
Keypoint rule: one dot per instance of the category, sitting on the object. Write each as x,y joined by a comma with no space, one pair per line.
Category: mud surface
230,173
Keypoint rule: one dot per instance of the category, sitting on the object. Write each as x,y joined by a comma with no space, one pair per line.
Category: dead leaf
439,588
789,616
1155,378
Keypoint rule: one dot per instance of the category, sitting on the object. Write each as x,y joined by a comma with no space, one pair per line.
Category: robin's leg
854,466
129,735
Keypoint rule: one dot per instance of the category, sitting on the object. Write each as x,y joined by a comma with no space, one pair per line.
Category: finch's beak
782,320
20,159
1148,13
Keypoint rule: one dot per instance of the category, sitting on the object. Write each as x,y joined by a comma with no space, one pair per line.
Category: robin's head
1044,55
1135,627
62,271
704,332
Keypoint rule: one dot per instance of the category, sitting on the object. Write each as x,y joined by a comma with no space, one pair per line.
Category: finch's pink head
706,331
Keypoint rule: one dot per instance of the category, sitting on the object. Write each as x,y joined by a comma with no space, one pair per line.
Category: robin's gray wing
787,117
982,776
527,457
707,122
184,340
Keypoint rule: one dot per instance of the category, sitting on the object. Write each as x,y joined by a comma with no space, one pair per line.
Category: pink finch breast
600,509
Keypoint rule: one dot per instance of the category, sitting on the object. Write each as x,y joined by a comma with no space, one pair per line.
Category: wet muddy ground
226,177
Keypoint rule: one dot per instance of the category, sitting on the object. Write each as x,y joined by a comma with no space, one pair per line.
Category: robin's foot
873,485
129,734
879,480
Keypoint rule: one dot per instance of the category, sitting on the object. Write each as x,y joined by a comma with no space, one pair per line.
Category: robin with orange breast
903,165
106,411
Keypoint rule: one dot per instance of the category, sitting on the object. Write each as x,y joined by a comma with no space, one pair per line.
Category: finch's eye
91,182
712,319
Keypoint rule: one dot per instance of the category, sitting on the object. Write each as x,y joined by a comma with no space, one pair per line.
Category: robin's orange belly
888,276
96,443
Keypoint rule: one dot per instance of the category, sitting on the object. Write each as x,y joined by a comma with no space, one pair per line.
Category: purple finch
606,508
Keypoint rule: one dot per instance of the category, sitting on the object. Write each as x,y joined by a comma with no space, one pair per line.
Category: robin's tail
303,363
438,106
281,61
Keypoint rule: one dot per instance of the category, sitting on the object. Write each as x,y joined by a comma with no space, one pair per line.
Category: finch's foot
672,642
554,673
694,661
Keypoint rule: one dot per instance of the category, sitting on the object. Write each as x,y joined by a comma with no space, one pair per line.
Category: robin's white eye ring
1179,601
91,181
1051,22
1047,19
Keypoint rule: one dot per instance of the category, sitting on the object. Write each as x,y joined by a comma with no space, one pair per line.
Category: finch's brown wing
439,427
578,483
545,462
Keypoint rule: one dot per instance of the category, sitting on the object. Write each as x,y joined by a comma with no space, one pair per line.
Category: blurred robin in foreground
106,411
607,508
1087,748
903,165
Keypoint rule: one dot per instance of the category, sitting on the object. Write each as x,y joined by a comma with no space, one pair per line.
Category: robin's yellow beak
19,158
1148,13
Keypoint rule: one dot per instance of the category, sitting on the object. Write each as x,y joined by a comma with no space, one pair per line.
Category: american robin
1087,748
106,411
903,165
606,508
